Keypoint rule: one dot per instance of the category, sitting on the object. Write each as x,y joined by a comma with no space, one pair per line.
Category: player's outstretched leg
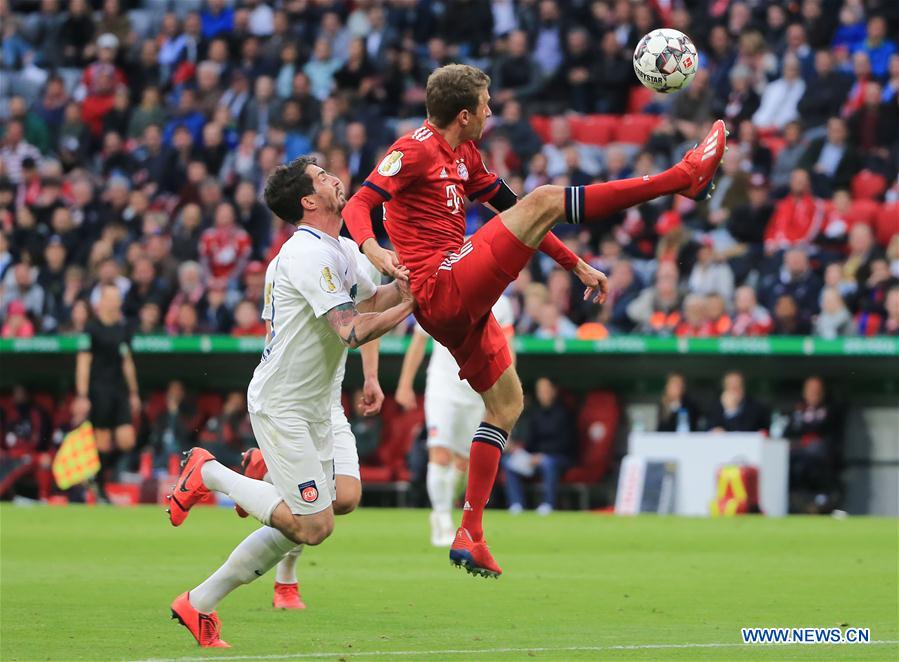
536,214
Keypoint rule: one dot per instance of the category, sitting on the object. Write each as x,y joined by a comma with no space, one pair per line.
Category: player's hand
596,282
384,260
134,400
81,407
372,397
405,397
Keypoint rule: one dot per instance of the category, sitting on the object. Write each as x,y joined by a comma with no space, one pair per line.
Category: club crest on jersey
391,164
327,281
308,491
463,172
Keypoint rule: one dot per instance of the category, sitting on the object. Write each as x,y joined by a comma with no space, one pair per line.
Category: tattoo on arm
342,316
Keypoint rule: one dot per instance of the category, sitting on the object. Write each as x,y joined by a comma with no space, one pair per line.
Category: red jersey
424,183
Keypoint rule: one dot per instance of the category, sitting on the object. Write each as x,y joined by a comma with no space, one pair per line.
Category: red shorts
454,304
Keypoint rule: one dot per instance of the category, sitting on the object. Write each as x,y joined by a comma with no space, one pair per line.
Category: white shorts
299,455
451,424
346,457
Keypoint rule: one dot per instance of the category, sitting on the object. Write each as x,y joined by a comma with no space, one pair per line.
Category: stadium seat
540,125
886,225
155,405
864,210
636,128
868,184
638,98
597,426
775,144
208,405
593,129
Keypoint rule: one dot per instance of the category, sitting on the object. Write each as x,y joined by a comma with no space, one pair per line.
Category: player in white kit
321,305
453,411
346,459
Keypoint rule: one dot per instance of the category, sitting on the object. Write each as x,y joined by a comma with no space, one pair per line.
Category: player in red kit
422,182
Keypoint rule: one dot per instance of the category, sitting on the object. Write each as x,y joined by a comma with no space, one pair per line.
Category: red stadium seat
155,405
597,426
775,144
864,210
540,125
638,98
208,405
887,224
400,430
636,128
867,184
594,129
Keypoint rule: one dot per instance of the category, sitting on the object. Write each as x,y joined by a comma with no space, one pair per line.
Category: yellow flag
77,458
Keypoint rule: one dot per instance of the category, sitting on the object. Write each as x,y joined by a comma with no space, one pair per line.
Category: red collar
440,139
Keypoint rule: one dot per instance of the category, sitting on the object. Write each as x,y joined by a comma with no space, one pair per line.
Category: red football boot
473,556
702,161
252,465
287,596
189,487
206,628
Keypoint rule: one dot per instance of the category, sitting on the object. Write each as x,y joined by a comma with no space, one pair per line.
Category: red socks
486,451
584,204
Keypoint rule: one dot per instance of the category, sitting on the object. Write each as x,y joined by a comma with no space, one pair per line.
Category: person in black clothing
825,94
549,448
735,411
677,410
106,380
814,434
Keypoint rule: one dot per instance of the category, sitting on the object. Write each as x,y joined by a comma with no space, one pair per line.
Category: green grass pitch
82,583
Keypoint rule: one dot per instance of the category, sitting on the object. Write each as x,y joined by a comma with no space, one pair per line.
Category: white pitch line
495,651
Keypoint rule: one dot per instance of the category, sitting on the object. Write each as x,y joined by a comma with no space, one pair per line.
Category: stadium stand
136,136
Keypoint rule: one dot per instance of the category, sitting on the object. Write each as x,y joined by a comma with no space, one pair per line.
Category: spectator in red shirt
190,291
718,322
797,218
693,325
247,322
100,81
224,248
17,324
750,319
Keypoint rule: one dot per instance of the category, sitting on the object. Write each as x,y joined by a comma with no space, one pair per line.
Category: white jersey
443,371
312,274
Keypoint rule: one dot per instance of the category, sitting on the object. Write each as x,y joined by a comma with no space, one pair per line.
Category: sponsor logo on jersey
443,173
463,171
327,281
308,491
391,164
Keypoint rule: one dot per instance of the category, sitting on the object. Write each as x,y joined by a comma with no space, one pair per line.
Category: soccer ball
665,60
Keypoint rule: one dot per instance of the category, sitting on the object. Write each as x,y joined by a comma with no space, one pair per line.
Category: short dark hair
286,186
452,89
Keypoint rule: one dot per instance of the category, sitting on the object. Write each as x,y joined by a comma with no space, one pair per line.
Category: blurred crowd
137,134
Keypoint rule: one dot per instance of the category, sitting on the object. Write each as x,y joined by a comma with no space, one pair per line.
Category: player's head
458,93
303,186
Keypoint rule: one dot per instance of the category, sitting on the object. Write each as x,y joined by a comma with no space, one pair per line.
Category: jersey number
453,199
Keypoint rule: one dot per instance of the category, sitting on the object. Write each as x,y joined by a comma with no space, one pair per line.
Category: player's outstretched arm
415,354
385,296
355,328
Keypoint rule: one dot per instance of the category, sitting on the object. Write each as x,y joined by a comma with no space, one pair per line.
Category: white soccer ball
665,60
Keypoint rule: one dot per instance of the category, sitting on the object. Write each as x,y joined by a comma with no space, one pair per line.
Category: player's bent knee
349,493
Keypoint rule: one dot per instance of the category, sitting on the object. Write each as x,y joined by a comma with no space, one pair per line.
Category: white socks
258,498
253,557
442,481
286,572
